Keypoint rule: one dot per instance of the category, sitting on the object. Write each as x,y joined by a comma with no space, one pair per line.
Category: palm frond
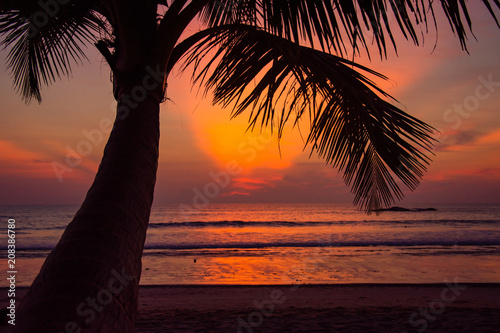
352,126
42,47
337,23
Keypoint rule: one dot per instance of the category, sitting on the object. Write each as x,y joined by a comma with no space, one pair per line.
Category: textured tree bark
89,283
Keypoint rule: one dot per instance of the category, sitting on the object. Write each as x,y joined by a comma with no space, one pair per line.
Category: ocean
288,244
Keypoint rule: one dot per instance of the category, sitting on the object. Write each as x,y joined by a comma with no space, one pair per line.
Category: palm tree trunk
89,283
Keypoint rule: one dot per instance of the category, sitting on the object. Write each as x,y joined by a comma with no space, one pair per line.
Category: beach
447,307
301,268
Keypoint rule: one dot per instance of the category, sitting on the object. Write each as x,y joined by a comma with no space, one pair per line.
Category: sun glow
231,140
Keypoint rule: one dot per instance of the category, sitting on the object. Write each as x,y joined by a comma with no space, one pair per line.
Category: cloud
301,182
19,162
454,139
462,140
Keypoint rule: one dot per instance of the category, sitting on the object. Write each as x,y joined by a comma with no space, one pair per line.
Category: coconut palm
278,61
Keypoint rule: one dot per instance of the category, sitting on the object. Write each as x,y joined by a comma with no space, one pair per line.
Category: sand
318,308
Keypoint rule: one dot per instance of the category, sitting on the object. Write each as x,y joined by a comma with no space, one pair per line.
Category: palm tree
296,52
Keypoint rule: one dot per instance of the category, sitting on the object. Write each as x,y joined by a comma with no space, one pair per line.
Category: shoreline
435,307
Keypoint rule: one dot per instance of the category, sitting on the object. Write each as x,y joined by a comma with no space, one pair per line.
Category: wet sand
321,308
318,308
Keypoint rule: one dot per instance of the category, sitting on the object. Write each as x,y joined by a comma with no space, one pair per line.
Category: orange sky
199,144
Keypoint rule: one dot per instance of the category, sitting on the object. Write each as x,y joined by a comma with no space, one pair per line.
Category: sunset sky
446,88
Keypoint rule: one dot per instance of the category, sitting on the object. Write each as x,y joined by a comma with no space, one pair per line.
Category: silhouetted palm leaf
42,52
352,127
337,23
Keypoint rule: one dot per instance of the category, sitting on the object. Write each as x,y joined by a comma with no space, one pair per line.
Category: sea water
289,243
